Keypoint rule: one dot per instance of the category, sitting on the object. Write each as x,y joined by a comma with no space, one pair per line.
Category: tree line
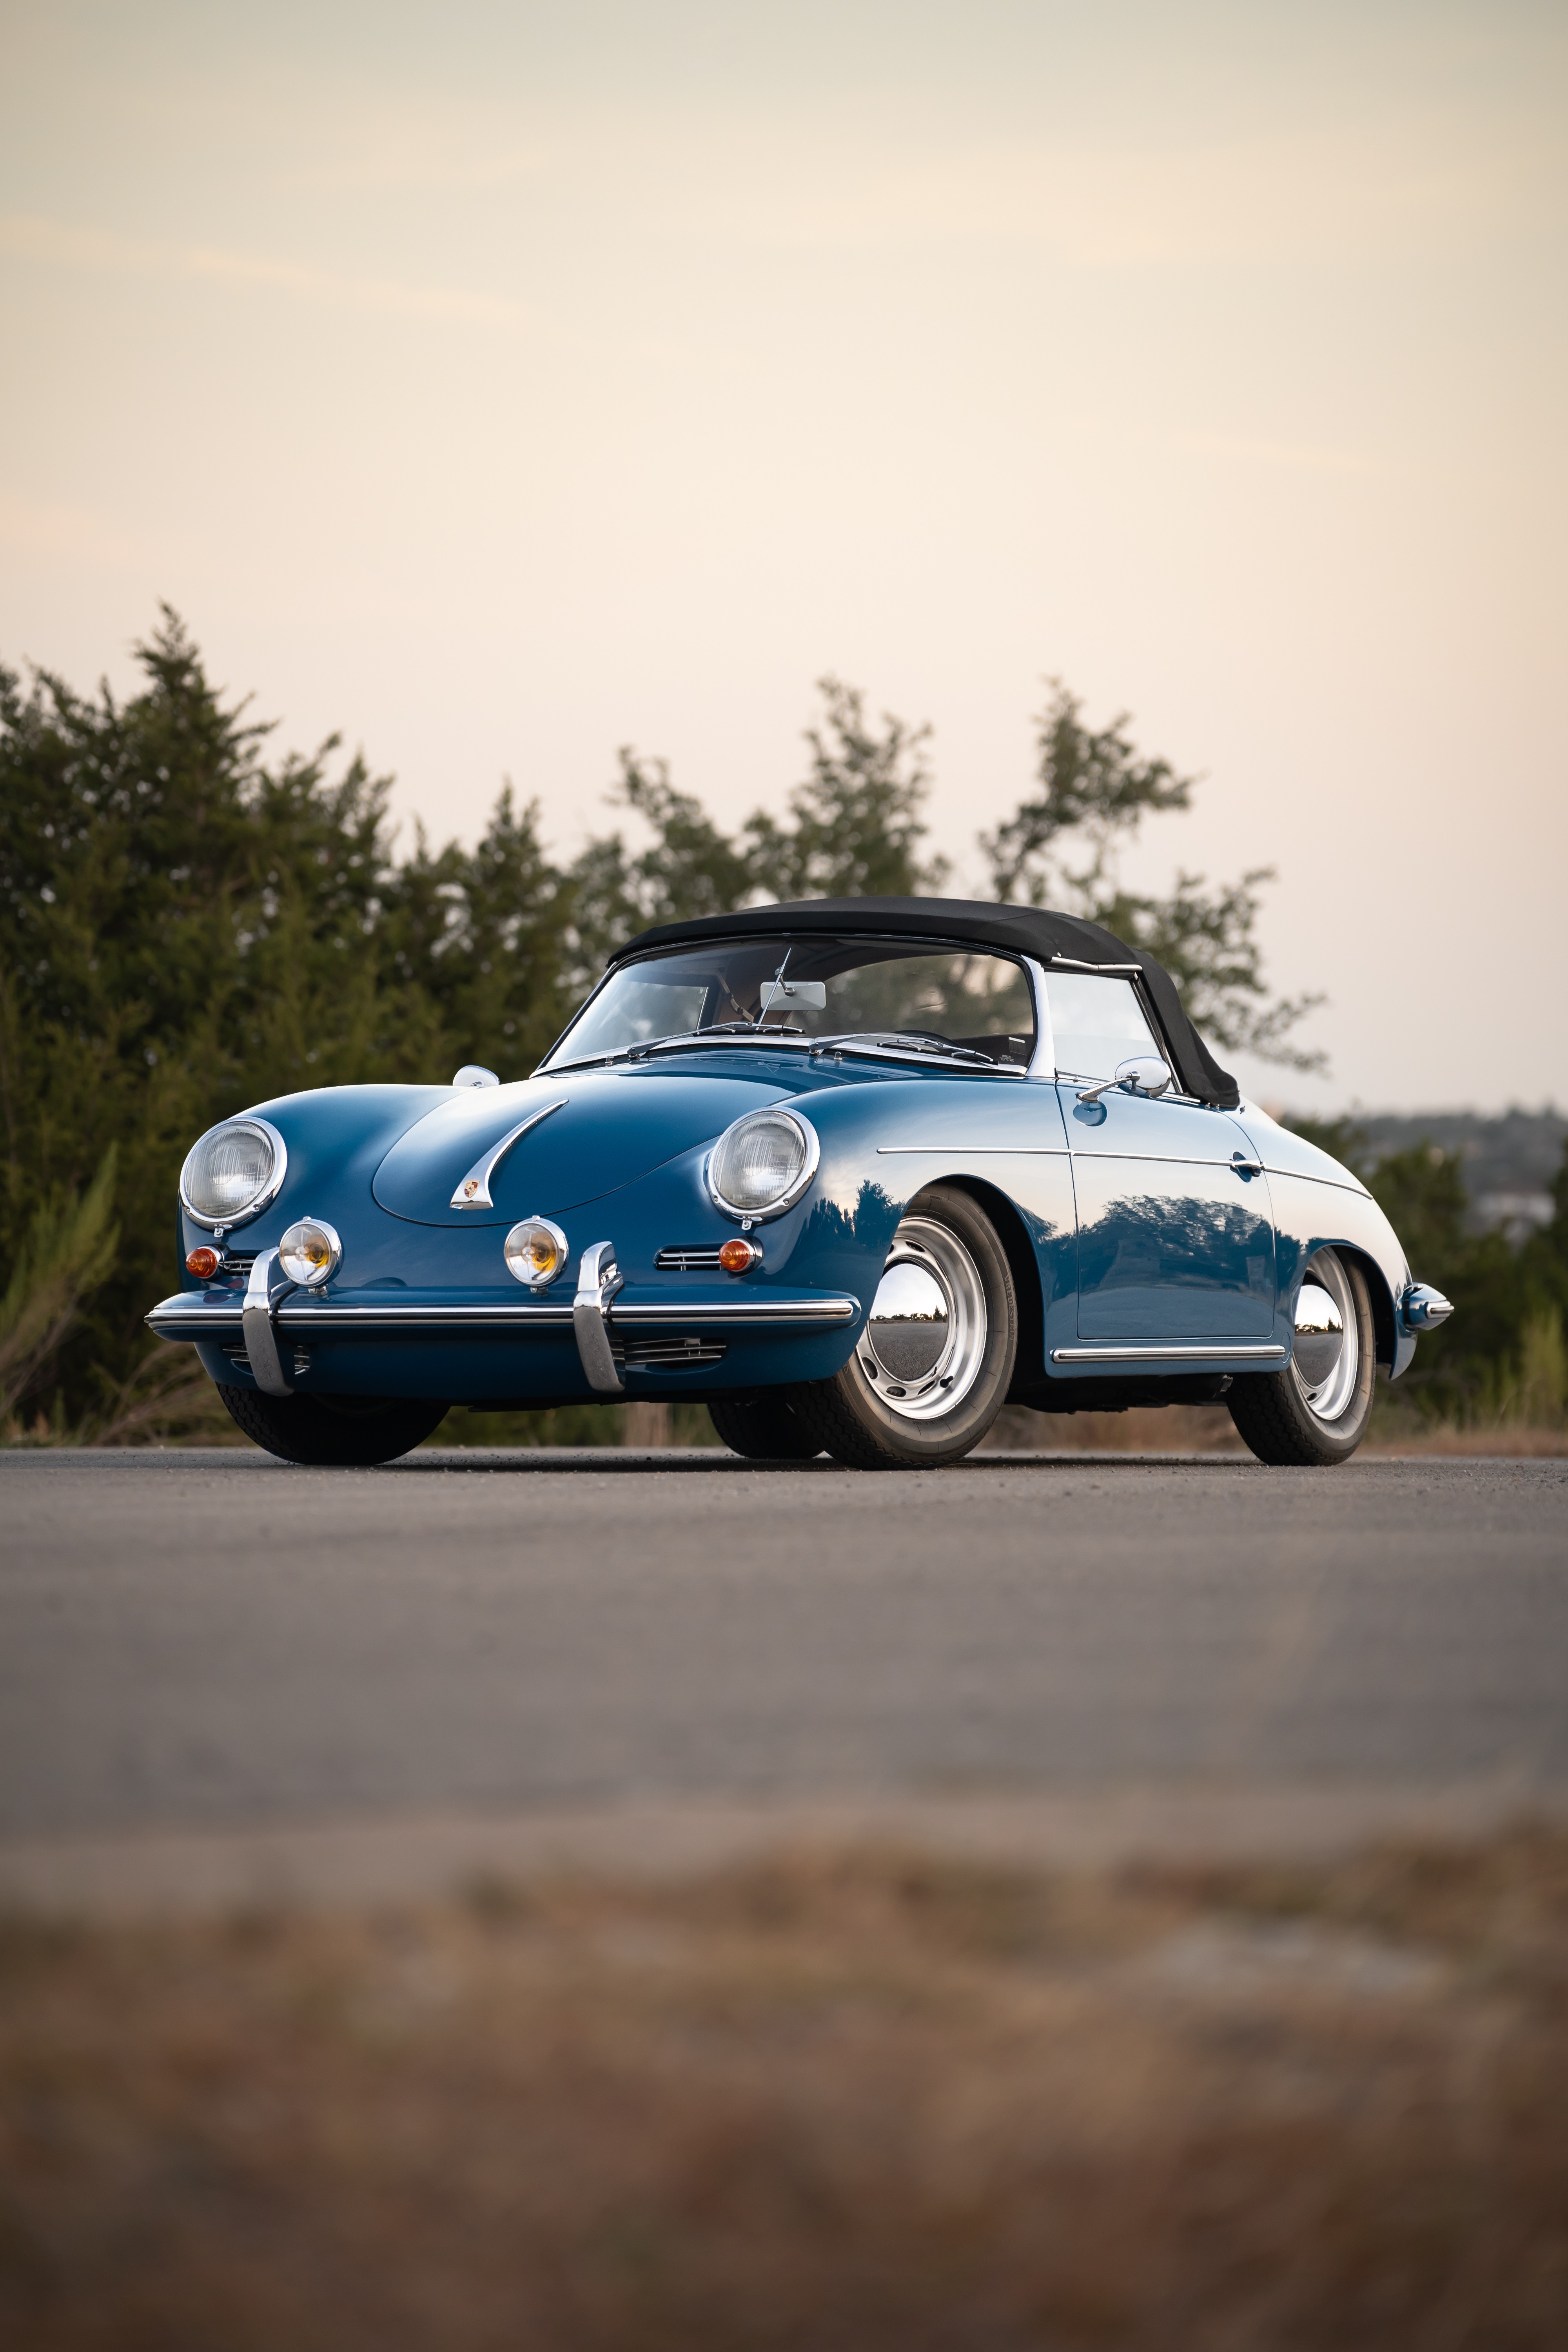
189,925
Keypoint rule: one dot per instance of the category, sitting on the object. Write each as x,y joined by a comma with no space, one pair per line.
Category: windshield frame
954,1061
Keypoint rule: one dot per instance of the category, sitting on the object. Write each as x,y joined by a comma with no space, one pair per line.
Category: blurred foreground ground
834,2099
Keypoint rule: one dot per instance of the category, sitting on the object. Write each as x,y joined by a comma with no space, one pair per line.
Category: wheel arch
1022,1263
1383,1324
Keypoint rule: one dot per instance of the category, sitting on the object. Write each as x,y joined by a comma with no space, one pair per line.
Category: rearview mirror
804,995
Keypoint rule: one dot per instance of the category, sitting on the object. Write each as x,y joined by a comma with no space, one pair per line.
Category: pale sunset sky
501,384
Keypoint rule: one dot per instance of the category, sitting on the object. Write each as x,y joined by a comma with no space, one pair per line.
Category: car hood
612,1126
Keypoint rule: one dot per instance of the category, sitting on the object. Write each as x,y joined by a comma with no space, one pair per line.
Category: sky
503,384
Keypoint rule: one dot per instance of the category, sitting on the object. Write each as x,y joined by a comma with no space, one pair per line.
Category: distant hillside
1509,1161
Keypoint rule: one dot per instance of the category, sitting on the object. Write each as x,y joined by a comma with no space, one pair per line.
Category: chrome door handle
1244,1166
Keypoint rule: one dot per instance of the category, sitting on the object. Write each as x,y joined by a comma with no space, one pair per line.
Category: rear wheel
767,1429
333,1429
1317,1409
931,1371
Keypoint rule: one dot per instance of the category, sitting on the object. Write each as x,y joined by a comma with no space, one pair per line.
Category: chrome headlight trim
258,1201
321,1275
798,1184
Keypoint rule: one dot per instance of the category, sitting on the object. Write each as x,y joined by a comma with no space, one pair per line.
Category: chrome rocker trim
1208,1352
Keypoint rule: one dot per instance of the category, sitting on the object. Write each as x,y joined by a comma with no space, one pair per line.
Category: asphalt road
209,1641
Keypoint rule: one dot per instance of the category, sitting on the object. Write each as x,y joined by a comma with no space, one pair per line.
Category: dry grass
828,2102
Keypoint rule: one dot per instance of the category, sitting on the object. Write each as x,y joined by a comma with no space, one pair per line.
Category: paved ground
212,1644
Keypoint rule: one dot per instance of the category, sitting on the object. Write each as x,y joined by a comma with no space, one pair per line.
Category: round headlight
310,1252
535,1251
762,1163
233,1172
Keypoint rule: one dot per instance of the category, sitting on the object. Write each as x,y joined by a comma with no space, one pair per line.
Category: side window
1097,1022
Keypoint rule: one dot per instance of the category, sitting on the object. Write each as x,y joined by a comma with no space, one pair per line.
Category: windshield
879,992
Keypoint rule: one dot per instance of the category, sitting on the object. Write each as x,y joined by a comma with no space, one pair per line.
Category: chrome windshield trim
474,1192
1043,1061
1141,1352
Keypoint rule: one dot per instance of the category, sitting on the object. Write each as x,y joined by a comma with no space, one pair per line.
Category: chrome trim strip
980,1151
264,1291
1143,1352
1332,1183
474,1192
598,1279
1076,963
1176,1160
172,1321
744,1310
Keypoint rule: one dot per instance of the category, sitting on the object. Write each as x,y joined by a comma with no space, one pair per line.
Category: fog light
535,1251
740,1257
204,1263
310,1253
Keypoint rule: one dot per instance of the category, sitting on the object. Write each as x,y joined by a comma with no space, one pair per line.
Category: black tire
767,1429
335,1430
872,1431
1271,1409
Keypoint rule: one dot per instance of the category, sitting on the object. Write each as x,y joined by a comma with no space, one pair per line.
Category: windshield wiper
757,1028
725,1030
885,1040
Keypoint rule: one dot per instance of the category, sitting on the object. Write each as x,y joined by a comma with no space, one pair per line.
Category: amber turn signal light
738,1257
204,1263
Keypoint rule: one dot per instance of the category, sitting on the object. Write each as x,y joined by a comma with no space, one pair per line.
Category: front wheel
338,1430
931,1370
1316,1410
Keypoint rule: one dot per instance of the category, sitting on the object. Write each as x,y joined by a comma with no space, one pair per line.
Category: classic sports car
854,1174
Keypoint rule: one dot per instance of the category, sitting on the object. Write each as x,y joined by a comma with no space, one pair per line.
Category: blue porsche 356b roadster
854,1174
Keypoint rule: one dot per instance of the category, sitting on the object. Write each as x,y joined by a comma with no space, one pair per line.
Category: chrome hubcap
925,1336
1326,1362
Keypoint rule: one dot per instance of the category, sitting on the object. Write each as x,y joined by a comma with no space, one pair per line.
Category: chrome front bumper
266,1314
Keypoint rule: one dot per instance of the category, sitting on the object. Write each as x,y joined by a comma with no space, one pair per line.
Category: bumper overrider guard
274,1309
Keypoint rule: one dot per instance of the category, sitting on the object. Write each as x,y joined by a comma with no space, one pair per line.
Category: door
1175,1234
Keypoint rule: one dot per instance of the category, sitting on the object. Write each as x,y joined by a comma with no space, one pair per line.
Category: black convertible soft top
1035,932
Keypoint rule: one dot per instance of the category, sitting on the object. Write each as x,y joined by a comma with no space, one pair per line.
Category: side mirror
474,1073
1144,1074
1140,1074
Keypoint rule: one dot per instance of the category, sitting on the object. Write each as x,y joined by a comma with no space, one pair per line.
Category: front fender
1320,1204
